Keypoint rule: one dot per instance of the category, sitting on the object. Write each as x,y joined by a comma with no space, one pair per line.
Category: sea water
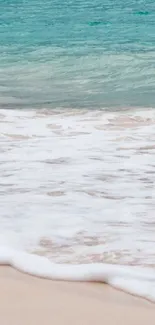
77,141
77,54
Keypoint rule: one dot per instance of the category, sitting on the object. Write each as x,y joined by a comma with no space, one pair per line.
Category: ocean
77,141
75,54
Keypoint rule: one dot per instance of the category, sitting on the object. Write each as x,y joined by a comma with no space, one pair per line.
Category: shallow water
77,54
77,140
78,186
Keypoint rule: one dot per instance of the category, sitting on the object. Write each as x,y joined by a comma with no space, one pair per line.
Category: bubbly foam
80,187
135,281
79,184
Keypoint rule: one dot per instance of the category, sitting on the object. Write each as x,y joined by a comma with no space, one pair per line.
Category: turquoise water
79,181
77,54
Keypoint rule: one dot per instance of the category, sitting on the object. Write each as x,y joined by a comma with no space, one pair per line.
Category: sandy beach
29,300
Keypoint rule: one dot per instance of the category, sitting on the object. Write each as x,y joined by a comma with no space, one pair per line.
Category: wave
134,280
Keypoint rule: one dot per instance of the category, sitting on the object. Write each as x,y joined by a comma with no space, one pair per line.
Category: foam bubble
68,186
134,280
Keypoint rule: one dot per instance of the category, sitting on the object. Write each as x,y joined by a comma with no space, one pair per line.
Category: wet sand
28,300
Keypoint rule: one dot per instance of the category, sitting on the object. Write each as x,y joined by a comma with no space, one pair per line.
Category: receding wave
134,280
84,195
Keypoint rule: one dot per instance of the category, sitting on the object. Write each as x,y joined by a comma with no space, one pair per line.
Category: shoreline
30,300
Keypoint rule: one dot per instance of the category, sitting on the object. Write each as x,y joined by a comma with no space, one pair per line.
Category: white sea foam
77,186
133,280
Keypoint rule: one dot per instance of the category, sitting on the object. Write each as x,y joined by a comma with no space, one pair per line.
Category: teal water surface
93,54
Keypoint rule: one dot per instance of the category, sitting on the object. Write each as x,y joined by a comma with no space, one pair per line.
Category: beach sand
27,300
